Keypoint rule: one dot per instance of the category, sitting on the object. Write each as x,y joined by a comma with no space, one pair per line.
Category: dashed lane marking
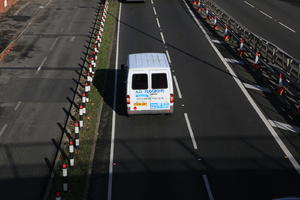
265,14
207,186
3,129
24,6
249,4
154,10
152,2
17,106
168,56
41,65
177,87
287,27
53,44
284,126
257,87
157,21
162,37
232,60
190,130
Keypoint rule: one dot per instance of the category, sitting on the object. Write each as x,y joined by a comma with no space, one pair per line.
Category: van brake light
128,99
171,98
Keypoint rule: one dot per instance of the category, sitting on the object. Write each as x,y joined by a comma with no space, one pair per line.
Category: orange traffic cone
280,90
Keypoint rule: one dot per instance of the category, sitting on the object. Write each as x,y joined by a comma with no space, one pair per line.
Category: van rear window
139,81
159,81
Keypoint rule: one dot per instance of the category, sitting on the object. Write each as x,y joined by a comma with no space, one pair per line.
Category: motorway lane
154,155
270,29
154,158
34,103
238,153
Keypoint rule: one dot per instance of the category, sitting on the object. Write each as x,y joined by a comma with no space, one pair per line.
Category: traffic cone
194,2
199,10
241,49
215,23
76,135
297,112
226,36
199,2
280,89
57,195
207,14
256,65
71,153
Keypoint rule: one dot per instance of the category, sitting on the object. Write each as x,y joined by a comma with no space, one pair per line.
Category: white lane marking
3,129
285,126
251,101
217,41
177,87
190,130
207,186
265,14
168,56
162,37
72,39
41,65
113,129
26,4
53,44
287,27
17,106
257,87
249,4
232,60
152,2
157,21
154,10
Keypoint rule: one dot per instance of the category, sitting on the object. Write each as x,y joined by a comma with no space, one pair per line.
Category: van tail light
171,98
128,99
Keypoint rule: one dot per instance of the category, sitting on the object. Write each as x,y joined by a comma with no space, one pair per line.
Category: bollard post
71,153
215,23
76,135
65,176
57,195
241,49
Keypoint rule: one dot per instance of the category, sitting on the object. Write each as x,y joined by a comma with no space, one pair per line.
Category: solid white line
53,44
3,129
113,129
265,14
287,27
157,21
246,2
17,106
284,126
190,130
217,41
232,60
251,101
168,56
162,37
41,65
207,186
72,39
177,87
257,87
154,10
26,4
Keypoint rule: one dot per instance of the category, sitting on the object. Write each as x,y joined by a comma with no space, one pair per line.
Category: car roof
148,60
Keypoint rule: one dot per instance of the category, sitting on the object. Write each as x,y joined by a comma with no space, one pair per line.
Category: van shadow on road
104,81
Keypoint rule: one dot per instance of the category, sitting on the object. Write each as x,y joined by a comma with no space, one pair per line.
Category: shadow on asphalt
104,81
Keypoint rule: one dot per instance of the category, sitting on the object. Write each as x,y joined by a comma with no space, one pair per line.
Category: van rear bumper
142,112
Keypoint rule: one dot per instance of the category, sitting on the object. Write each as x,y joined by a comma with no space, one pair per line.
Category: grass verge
78,175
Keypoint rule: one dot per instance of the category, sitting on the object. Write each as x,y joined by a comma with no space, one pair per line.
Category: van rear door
139,98
160,91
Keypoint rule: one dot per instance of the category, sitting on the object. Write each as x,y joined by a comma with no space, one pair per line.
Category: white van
149,84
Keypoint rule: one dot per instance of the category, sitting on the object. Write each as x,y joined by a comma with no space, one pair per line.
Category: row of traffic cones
88,73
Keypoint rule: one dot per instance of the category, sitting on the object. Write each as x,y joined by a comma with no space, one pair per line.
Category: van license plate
140,104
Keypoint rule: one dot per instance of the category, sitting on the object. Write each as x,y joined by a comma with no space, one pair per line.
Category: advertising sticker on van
157,106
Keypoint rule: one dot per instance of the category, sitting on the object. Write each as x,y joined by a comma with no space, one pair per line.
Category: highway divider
265,58
70,174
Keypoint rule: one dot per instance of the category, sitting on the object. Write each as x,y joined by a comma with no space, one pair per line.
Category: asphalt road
233,155
36,82
275,20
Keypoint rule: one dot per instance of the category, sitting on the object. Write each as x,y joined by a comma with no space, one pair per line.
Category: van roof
148,60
